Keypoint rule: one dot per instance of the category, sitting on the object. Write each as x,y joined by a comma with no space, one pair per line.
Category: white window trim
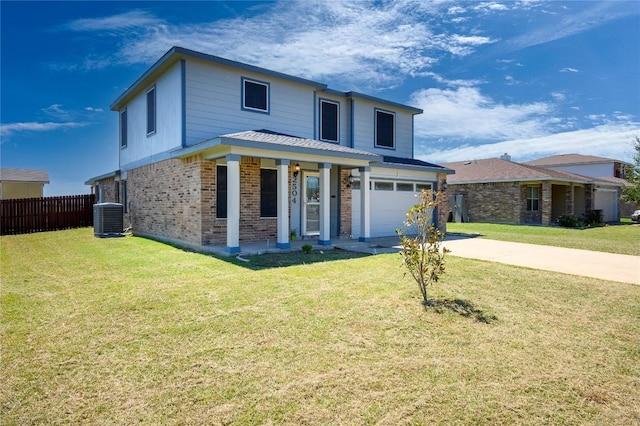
125,130
155,110
329,101
375,128
243,100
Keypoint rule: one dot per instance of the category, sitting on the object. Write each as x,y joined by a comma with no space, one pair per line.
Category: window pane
221,192
401,186
255,95
355,184
383,186
329,122
151,110
384,129
268,193
123,128
423,186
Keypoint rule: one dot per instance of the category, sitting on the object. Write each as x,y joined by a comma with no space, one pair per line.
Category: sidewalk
607,266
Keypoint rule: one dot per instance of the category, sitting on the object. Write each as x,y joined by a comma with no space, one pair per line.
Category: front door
311,207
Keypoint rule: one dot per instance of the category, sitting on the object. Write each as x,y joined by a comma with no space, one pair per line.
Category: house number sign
294,190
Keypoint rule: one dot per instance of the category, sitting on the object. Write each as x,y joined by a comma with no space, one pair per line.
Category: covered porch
279,190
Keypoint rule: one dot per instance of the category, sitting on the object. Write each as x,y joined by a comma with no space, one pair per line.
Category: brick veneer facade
506,202
176,200
345,203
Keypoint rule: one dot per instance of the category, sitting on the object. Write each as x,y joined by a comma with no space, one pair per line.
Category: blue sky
530,78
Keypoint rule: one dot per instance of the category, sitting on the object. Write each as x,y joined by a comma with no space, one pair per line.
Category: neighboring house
216,152
607,197
22,183
501,191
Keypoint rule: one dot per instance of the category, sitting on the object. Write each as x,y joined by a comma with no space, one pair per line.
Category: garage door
607,201
390,202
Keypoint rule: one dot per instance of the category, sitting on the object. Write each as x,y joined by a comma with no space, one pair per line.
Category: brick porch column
283,204
233,203
547,199
365,204
325,204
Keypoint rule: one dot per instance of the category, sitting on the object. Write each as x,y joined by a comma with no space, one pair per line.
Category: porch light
296,170
444,186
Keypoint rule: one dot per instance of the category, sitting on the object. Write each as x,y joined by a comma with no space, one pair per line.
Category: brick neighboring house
502,191
22,183
215,152
607,197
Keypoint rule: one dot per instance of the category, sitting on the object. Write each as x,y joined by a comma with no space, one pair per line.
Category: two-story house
217,152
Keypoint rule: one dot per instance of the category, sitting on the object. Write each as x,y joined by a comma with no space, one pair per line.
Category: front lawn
622,239
128,330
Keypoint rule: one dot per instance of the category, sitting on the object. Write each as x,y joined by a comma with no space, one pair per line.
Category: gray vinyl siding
214,100
364,129
168,133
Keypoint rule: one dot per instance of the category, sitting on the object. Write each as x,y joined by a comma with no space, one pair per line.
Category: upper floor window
533,198
385,129
329,120
255,95
151,110
123,128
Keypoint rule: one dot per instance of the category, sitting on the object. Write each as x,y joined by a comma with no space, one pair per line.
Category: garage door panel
388,211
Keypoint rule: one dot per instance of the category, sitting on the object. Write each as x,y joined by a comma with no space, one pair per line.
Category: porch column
365,204
547,202
233,203
282,167
325,204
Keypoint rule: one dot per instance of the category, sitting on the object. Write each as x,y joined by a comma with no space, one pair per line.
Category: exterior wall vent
108,220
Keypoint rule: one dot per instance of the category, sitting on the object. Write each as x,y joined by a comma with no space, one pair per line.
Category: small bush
570,221
307,248
593,218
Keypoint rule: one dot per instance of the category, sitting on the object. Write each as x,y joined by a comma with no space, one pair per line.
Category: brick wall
491,202
443,210
345,203
165,199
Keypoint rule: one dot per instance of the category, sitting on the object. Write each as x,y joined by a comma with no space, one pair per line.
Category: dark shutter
221,192
268,193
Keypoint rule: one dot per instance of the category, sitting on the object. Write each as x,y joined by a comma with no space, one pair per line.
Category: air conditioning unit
108,220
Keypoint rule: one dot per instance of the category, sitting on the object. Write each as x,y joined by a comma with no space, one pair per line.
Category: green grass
128,330
621,239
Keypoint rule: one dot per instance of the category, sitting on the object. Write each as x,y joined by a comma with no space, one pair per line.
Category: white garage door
607,201
390,202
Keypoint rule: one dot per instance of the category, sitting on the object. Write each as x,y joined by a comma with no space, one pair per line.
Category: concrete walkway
607,266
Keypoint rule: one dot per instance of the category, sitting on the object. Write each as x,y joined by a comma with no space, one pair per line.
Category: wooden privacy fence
28,215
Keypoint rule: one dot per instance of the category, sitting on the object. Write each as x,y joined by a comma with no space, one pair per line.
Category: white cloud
491,6
572,22
376,44
610,140
466,113
122,21
9,129
56,111
92,109
567,69
558,96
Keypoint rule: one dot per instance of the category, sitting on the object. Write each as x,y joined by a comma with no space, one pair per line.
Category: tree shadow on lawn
282,260
461,307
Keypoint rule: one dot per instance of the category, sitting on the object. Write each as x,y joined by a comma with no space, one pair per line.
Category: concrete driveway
607,266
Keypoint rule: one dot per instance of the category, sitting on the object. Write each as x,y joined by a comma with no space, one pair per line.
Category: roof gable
176,53
570,159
